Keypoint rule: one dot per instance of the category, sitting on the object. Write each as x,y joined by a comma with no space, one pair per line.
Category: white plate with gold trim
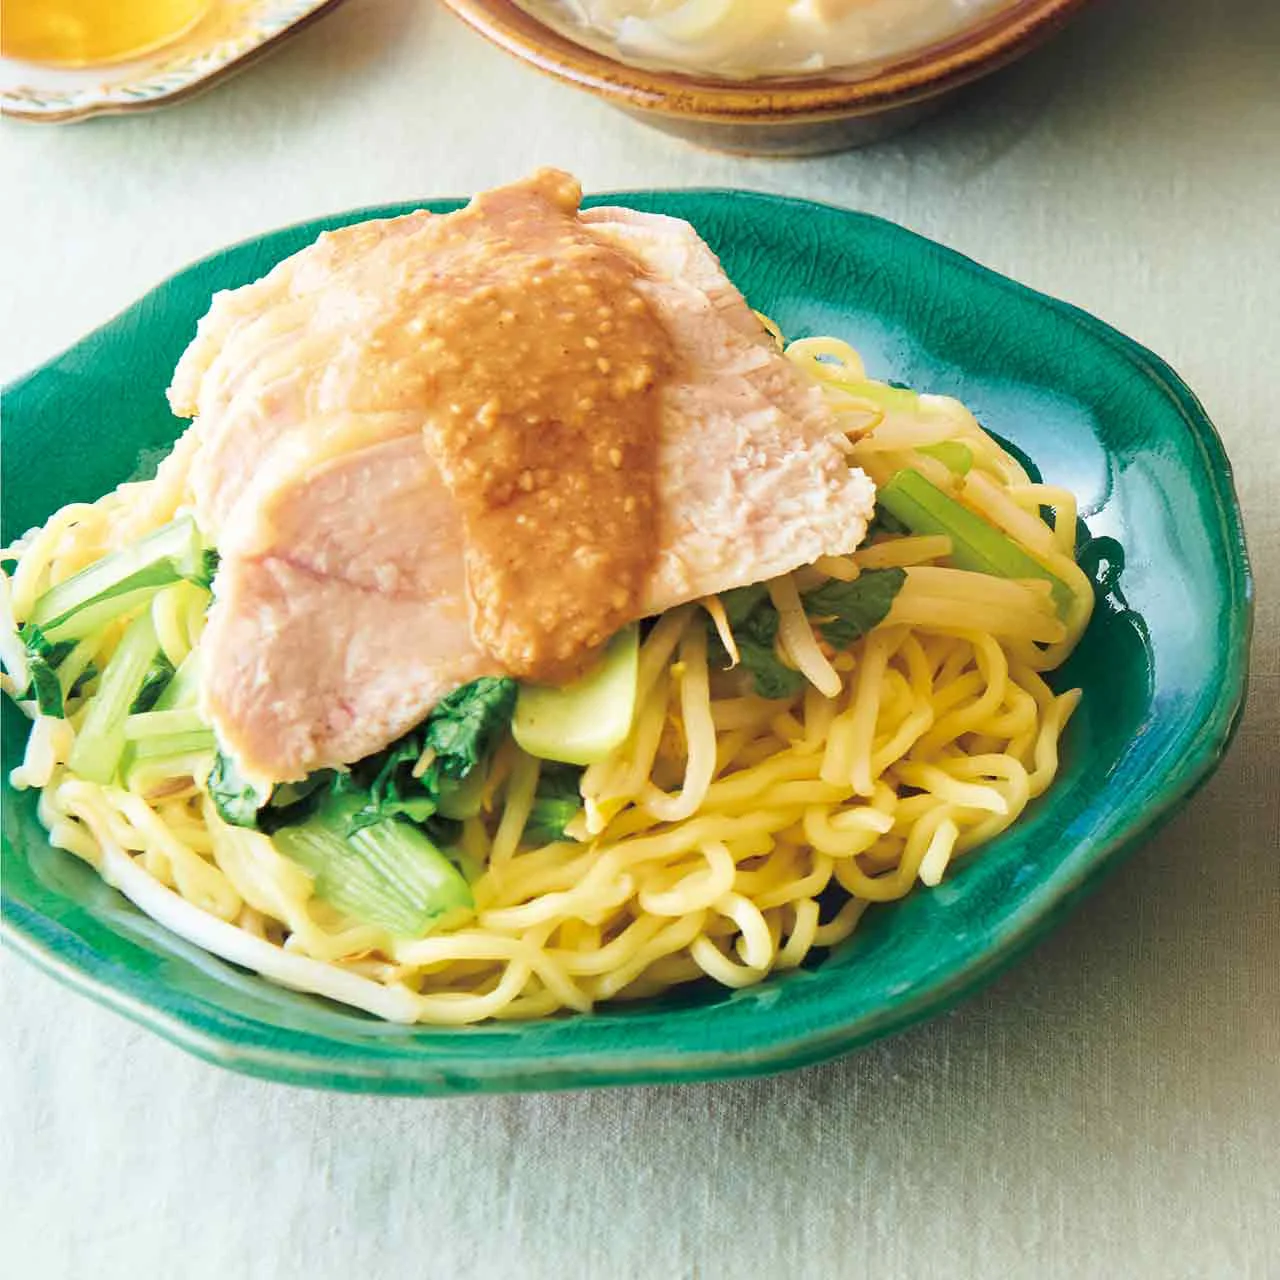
232,34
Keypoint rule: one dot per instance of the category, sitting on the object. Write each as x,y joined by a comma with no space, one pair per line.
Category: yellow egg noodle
708,841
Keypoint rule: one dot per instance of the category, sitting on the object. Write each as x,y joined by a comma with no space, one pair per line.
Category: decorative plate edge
201,69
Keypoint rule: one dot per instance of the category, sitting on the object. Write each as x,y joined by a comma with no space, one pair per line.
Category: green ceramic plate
1163,667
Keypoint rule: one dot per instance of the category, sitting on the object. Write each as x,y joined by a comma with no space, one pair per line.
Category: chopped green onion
387,873
975,545
101,741
122,581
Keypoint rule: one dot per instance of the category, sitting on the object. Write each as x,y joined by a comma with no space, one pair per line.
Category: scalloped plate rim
88,103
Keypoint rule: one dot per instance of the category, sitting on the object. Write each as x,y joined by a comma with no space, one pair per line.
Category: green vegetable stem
385,872
101,741
124,581
976,545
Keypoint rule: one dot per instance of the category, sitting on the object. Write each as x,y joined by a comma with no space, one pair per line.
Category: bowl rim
253,1047
168,75
910,77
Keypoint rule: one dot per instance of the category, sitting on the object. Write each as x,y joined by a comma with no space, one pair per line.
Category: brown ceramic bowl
783,117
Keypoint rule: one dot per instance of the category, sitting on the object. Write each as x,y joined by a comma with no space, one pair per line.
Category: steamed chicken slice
753,476
333,633
293,355
349,592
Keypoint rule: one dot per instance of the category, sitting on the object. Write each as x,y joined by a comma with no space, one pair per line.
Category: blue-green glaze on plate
1163,667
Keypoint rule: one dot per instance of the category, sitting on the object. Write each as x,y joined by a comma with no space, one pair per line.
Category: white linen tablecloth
1110,1108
